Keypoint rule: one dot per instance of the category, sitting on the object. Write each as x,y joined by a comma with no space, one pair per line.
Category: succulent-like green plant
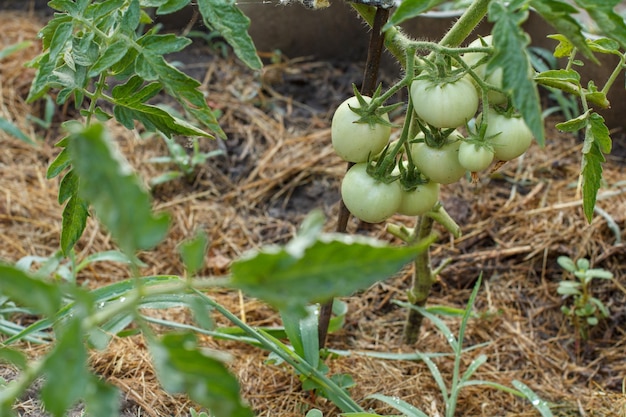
585,310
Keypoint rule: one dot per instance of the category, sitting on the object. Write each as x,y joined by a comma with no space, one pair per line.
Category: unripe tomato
446,105
509,136
368,199
356,142
439,164
420,200
474,157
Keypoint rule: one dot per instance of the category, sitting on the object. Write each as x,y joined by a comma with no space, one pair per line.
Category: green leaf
101,399
180,86
560,15
576,124
303,334
129,104
569,288
335,265
15,131
120,201
607,20
65,369
182,368
14,357
510,43
232,25
16,47
539,404
597,142
400,405
29,291
566,263
61,39
409,9
109,57
74,221
171,6
193,252
162,44
59,164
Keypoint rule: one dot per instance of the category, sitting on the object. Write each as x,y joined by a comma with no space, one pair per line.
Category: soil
277,165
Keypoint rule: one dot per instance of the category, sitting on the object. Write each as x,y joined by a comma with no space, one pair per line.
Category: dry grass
278,165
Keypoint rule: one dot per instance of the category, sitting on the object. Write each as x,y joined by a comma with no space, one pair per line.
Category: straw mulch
278,165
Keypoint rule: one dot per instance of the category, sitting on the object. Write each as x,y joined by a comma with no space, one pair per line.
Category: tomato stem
368,87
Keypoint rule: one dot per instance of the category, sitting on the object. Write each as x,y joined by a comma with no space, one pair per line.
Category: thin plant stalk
370,78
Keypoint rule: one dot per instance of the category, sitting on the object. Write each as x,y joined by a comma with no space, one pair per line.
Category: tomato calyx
372,112
434,137
410,176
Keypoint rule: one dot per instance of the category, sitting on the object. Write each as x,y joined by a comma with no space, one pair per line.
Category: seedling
585,311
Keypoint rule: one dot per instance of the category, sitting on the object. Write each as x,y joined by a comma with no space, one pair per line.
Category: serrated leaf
171,6
60,39
603,13
15,131
182,368
600,133
576,124
99,10
68,186
335,265
65,384
59,164
180,86
74,221
604,46
120,201
193,252
109,57
29,291
226,18
560,15
592,178
129,100
163,44
510,43
409,9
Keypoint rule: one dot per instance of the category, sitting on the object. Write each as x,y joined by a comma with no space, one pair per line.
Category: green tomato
444,105
368,199
474,157
439,164
494,78
509,136
420,200
356,142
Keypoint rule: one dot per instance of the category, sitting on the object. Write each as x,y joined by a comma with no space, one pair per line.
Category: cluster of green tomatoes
405,178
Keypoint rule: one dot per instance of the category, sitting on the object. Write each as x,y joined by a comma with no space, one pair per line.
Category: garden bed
277,166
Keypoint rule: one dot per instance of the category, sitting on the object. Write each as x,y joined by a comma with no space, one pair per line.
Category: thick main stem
370,78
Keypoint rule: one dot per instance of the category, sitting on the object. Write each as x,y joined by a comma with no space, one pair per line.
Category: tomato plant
447,104
367,198
509,135
356,141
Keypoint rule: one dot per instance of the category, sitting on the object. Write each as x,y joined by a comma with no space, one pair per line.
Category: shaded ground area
277,166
